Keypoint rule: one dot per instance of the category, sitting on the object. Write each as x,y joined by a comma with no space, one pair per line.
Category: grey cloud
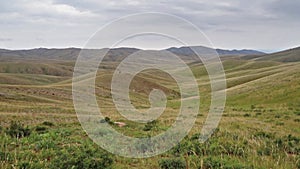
5,39
225,21
289,9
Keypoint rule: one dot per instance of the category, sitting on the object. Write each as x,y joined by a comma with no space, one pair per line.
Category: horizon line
133,47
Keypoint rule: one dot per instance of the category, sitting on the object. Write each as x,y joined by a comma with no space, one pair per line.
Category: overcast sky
268,25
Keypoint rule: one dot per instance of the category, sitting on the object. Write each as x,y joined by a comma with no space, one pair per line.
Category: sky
267,25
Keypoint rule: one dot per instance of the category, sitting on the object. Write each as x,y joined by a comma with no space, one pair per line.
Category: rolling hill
188,51
290,55
260,127
115,54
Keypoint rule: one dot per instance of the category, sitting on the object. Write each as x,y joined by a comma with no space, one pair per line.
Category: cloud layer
267,25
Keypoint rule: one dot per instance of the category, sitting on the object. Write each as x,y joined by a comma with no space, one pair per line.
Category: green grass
291,55
259,129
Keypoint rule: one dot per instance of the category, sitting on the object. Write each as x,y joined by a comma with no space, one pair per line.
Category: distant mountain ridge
40,53
239,52
60,62
189,50
113,54
118,54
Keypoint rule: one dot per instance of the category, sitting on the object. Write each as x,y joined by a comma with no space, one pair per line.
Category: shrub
150,125
147,127
277,116
17,130
233,148
298,161
173,163
2,156
264,151
258,114
297,113
184,147
293,143
40,129
297,120
145,146
85,156
247,115
263,134
107,119
6,156
279,123
47,123
24,165
279,142
225,163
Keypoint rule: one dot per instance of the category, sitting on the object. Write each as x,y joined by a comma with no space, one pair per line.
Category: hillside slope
115,54
290,55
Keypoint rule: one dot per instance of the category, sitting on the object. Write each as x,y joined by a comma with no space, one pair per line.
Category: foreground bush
17,130
40,129
173,163
47,123
150,125
225,163
298,161
83,157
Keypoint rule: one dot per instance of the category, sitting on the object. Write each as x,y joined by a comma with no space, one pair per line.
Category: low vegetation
259,129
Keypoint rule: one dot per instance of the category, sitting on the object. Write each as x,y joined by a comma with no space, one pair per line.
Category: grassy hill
40,54
290,55
260,127
34,67
115,54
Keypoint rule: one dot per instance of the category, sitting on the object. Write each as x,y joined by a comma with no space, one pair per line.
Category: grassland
260,127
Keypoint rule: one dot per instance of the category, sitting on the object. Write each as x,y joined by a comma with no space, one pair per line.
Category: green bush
279,142
296,120
258,114
185,147
264,151
24,165
298,161
107,120
233,148
247,115
293,144
17,130
150,125
83,157
224,163
262,134
47,123
6,156
279,123
2,156
297,113
173,163
277,116
41,129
